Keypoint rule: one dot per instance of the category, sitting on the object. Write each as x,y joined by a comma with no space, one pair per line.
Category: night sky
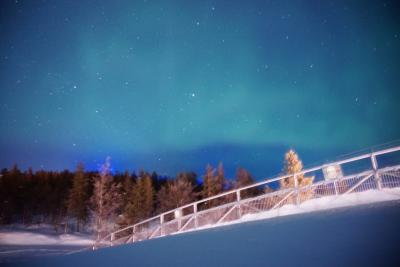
172,85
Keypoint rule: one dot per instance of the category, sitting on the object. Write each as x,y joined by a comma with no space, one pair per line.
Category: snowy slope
366,235
330,202
25,243
319,204
29,238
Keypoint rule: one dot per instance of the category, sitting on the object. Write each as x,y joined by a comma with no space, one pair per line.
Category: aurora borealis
173,85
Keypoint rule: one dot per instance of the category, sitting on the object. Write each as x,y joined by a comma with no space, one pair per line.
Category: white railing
360,173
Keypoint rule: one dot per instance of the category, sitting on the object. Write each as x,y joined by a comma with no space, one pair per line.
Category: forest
103,201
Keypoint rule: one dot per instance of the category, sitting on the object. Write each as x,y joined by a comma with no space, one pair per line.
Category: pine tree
213,184
148,196
78,198
176,193
208,179
220,180
106,199
140,200
243,178
127,188
133,205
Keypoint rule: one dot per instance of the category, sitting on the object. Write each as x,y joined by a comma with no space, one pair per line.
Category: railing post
161,224
133,233
195,215
335,186
238,203
376,175
296,189
112,239
180,213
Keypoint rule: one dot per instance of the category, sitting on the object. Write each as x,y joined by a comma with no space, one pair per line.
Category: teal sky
171,86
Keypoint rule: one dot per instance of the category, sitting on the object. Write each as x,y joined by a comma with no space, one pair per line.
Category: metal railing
357,174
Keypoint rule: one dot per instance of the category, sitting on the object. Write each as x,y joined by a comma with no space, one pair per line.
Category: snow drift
348,235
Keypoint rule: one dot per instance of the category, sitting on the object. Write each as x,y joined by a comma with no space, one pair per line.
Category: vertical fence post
296,189
376,175
238,203
195,215
133,233
161,224
112,239
335,186
180,214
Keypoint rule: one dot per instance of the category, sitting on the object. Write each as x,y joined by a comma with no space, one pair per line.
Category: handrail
194,204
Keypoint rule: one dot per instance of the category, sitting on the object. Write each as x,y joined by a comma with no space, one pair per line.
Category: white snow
329,202
313,205
365,235
19,242
29,238
40,235
34,242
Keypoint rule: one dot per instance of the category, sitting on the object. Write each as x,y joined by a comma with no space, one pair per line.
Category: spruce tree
213,184
148,196
243,178
133,205
220,180
208,181
176,193
126,188
78,198
140,202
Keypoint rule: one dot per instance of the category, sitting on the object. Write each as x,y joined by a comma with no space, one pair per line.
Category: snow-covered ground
19,242
329,202
314,205
29,238
378,210
366,235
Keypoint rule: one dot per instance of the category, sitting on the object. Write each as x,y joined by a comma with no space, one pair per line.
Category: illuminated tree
294,165
106,199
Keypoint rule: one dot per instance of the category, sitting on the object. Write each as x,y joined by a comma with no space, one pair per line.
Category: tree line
106,201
